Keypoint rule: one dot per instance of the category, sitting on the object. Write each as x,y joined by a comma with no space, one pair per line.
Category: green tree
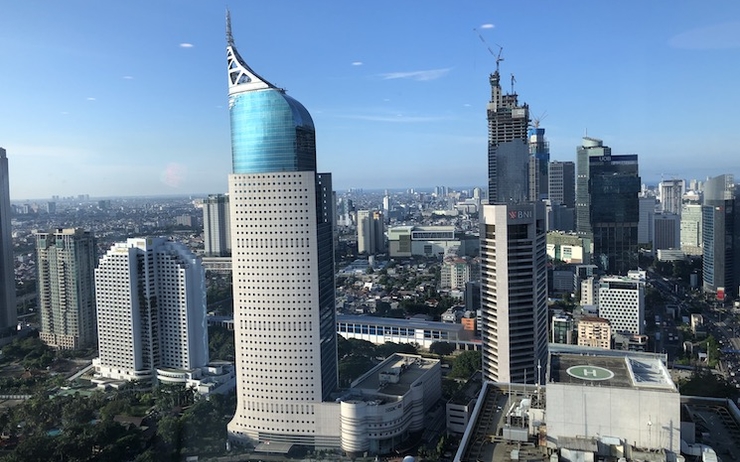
441,348
466,363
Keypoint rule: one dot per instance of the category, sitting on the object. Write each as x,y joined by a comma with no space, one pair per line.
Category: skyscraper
539,163
216,229
607,205
513,251
65,264
671,195
8,309
508,146
562,183
514,292
151,300
720,227
283,267
370,232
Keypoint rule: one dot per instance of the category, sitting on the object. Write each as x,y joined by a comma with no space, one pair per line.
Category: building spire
229,37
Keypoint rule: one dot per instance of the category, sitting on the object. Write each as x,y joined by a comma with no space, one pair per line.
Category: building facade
594,332
671,195
667,231
455,273
283,268
562,183
216,229
622,302
151,310
539,163
513,292
370,232
720,228
8,308
607,206
65,287
691,240
508,146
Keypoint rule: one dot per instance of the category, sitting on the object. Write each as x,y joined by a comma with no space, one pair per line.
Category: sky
130,98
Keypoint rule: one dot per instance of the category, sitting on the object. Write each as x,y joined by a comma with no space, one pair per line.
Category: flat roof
407,368
610,371
395,322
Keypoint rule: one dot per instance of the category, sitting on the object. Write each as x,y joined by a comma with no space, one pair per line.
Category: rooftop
625,371
395,375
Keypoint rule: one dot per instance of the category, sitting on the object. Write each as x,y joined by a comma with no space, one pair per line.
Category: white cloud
186,45
90,98
487,26
420,76
357,63
715,37
128,77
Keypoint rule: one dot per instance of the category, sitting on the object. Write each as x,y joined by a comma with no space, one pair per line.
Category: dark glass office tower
607,205
8,309
281,218
721,235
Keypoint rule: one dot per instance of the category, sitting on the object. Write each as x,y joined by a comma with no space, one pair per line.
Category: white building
370,232
627,396
622,302
388,403
151,309
513,292
671,195
427,241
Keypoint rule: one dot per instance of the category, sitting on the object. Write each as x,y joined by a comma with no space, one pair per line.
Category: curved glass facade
270,132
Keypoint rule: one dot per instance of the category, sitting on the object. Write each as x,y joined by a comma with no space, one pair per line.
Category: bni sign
520,214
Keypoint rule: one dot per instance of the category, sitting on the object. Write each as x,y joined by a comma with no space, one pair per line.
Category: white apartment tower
514,292
370,232
151,301
65,264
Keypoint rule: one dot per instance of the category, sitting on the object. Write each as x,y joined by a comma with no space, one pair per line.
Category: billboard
721,294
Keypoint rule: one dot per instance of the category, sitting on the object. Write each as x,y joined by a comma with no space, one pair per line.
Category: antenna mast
513,81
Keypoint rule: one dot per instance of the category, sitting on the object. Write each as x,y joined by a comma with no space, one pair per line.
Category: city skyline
114,100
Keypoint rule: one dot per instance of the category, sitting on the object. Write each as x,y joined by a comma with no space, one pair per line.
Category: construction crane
500,49
513,81
536,121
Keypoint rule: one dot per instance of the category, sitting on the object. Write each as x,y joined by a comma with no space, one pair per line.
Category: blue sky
129,98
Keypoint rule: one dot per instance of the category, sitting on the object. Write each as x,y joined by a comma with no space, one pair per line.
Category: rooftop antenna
229,37
500,49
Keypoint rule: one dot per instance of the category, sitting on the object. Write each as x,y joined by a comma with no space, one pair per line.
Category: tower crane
500,49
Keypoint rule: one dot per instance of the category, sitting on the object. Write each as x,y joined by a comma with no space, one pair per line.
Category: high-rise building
514,292
539,162
216,229
667,231
370,232
455,273
646,222
151,310
607,206
622,302
691,240
8,308
283,267
671,195
65,264
720,228
508,146
562,183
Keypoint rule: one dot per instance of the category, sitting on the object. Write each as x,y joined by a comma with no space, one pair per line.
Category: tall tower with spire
282,266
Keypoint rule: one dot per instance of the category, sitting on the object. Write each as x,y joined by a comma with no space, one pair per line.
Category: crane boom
500,49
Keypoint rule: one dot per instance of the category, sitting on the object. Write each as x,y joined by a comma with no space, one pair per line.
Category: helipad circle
585,372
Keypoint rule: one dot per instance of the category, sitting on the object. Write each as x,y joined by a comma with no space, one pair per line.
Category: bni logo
518,214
